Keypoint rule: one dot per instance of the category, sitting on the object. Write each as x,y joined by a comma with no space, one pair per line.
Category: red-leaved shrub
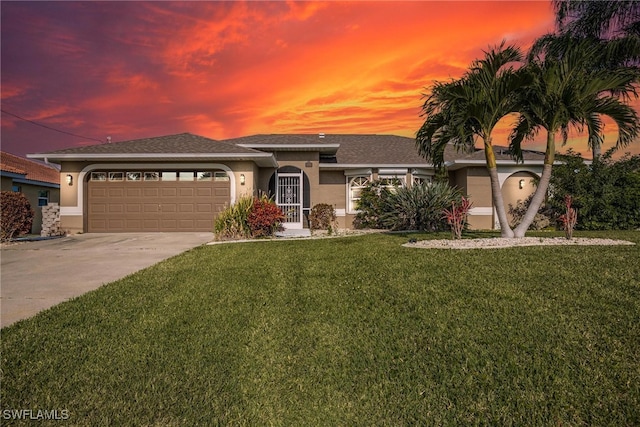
17,215
265,217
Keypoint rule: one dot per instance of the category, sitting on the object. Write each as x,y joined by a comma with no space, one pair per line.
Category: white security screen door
289,198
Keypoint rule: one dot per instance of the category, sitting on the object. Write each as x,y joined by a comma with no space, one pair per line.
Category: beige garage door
123,201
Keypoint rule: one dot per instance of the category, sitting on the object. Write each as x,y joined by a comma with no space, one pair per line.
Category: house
38,182
179,182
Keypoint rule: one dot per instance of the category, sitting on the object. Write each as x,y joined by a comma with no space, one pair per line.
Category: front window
356,184
43,198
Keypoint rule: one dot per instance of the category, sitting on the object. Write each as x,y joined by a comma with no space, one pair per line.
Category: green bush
16,215
419,207
371,205
605,193
322,217
232,222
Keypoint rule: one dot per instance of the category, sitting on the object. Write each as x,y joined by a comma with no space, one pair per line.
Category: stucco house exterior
180,182
38,182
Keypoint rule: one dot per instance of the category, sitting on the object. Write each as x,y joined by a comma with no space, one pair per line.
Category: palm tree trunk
541,190
496,192
596,151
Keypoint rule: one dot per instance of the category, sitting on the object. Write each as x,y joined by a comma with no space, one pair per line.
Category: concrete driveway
38,275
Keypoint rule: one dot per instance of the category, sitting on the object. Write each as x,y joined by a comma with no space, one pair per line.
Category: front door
289,198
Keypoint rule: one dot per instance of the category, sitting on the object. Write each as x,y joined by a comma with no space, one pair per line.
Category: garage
158,200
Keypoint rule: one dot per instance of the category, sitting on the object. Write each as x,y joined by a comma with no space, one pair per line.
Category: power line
49,127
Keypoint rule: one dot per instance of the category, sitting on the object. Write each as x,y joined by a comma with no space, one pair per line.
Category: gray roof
350,150
180,143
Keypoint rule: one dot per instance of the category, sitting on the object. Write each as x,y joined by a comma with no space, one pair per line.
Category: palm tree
462,110
567,90
601,19
603,55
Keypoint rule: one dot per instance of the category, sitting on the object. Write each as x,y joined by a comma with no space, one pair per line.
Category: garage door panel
127,206
115,192
169,192
221,192
98,192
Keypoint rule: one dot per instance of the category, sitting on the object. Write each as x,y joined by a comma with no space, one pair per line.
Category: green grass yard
340,332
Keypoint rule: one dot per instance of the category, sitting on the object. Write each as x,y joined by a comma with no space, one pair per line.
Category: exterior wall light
242,179
521,184
69,179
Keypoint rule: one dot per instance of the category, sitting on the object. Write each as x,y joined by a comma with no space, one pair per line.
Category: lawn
340,332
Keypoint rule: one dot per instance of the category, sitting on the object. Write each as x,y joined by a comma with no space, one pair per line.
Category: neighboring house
179,182
38,182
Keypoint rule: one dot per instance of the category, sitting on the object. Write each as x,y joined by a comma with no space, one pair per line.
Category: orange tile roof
32,170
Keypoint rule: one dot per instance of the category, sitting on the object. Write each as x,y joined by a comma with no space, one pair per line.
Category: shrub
322,217
418,207
517,212
248,217
265,217
606,192
231,223
16,216
370,207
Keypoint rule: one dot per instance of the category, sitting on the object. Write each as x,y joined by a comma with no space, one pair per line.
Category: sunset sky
226,69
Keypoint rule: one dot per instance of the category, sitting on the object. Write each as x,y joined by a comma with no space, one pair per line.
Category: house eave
343,166
322,148
261,159
459,164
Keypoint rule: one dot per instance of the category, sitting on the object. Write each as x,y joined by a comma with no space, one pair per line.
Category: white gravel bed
500,242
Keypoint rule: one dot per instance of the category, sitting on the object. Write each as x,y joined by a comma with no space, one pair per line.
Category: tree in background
605,192
599,19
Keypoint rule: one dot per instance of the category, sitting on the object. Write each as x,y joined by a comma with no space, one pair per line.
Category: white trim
391,172
358,172
79,208
341,212
481,211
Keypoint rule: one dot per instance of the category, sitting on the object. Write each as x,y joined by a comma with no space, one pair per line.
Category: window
204,176
169,176
220,176
134,176
152,176
356,184
116,176
98,176
421,179
185,176
16,188
43,197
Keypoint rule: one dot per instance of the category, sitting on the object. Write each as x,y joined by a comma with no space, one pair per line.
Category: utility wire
49,127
